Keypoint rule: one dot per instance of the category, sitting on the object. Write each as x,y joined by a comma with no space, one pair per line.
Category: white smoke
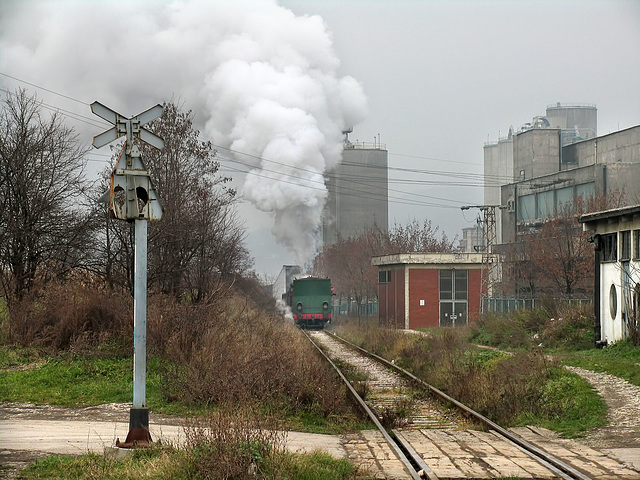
284,310
261,81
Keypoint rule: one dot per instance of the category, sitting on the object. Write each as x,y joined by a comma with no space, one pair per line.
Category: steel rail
398,451
554,464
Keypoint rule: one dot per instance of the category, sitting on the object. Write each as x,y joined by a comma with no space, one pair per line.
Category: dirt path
621,435
623,400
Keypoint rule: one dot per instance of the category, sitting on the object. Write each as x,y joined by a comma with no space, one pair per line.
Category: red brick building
418,290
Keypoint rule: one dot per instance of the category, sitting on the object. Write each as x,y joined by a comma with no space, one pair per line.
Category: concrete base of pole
138,435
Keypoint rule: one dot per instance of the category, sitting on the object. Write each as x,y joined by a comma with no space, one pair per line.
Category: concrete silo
358,191
577,121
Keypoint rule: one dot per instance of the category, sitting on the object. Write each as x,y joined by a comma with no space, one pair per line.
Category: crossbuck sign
131,194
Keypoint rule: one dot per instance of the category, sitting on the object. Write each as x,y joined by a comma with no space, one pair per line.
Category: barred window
636,244
384,276
610,247
625,245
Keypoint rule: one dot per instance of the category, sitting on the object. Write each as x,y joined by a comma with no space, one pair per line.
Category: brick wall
475,294
423,285
391,300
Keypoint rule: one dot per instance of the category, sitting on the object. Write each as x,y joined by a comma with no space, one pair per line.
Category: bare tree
561,255
198,244
42,224
348,261
415,237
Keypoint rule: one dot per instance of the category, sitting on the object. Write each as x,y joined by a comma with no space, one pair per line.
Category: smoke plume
261,81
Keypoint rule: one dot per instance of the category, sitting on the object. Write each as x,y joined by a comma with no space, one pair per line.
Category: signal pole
490,272
132,197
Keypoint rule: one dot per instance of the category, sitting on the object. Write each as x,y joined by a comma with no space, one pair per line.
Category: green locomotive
310,302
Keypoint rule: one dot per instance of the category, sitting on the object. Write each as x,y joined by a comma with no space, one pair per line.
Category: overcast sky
433,80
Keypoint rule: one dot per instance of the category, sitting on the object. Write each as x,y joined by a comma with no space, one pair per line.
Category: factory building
472,239
358,191
549,162
539,149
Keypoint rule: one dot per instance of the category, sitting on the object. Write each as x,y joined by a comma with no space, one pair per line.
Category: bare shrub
73,316
234,353
234,444
398,414
498,386
508,389
502,331
555,325
573,327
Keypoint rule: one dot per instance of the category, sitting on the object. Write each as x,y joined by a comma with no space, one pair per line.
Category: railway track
424,433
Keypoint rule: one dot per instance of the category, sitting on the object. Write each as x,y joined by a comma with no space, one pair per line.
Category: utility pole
490,272
132,197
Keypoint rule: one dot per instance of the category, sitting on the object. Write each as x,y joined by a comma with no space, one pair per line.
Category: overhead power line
464,179
43,88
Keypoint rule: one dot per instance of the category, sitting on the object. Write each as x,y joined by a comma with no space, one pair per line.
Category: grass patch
164,463
621,359
11,357
83,380
314,422
70,381
316,466
568,405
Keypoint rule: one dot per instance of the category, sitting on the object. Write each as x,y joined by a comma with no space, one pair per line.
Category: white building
616,240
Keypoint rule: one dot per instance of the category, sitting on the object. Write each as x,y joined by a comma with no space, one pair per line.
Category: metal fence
503,305
368,309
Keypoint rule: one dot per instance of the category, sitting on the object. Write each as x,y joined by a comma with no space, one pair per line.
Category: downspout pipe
597,300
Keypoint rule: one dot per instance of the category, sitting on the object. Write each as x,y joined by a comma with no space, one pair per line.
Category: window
460,285
586,191
636,244
625,246
446,284
526,208
384,276
610,247
545,205
613,301
564,199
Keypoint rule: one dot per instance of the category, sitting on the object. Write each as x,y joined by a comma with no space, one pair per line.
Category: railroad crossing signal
132,197
131,194
131,127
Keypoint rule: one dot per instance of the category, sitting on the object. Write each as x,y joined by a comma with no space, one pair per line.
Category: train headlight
299,306
325,306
